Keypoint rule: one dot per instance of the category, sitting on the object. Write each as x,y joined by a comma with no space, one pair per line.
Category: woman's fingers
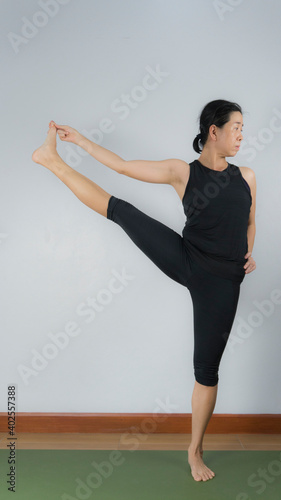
250,266
65,132
58,127
61,127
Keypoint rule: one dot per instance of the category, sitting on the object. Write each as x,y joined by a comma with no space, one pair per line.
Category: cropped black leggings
214,298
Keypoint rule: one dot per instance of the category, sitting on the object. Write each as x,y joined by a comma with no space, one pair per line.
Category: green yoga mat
140,475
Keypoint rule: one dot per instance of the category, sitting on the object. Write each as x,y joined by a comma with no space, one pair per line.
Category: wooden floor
125,441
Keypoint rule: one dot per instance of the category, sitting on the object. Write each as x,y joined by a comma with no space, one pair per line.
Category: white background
76,68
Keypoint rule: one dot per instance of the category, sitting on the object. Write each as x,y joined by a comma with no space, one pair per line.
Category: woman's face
229,137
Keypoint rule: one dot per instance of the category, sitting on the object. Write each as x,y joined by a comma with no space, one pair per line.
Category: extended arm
162,172
172,171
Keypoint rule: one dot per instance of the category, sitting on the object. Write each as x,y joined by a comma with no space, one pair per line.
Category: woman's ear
213,132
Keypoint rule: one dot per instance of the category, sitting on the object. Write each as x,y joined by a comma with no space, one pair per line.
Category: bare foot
199,470
47,152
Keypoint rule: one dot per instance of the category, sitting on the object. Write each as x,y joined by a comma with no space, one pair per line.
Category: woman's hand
250,265
67,133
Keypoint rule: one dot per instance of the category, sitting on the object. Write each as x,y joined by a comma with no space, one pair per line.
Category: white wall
56,253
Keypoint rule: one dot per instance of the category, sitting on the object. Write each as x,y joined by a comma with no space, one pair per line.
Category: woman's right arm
101,154
161,172
171,171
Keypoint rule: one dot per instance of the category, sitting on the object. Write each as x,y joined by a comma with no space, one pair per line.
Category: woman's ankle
195,448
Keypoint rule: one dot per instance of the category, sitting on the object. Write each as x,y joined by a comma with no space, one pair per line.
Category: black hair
214,113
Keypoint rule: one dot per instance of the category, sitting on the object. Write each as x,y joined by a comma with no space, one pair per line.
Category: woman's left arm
251,232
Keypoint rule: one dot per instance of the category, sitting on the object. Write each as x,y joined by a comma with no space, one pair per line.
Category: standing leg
86,190
203,404
215,302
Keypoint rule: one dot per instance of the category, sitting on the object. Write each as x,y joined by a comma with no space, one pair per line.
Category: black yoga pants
214,298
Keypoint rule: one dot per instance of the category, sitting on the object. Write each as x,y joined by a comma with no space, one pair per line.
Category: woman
213,254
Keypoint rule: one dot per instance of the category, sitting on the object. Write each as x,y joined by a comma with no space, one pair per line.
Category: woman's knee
110,207
206,375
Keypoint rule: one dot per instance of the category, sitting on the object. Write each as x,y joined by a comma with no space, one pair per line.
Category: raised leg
86,190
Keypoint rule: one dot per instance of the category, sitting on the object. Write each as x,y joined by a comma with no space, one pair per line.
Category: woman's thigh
215,301
161,244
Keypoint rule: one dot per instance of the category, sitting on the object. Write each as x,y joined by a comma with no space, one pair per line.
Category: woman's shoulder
248,174
181,172
180,169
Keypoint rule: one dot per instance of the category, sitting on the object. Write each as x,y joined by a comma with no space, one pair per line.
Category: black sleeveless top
217,207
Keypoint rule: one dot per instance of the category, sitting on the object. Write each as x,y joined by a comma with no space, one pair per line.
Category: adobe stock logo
59,341
122,107
223,7
40,18
264,137
262,479
201,198
87,486
246,327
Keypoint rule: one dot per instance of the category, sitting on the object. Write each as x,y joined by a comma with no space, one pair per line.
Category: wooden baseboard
173,423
